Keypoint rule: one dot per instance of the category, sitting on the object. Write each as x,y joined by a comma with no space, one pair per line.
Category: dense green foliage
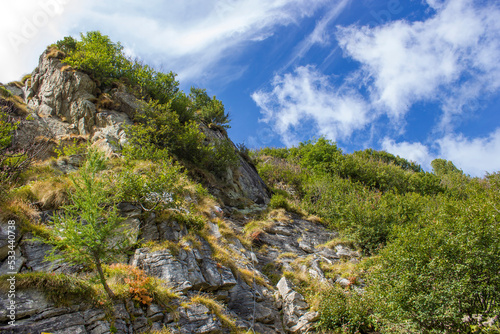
345,310
160,132
209,110
443,268
96,54
436,235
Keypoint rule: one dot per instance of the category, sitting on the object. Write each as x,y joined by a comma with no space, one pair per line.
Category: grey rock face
185,271
65,95
244,183
13,266
294,307
197,319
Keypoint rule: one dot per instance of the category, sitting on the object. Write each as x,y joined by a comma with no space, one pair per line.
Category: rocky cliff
249,284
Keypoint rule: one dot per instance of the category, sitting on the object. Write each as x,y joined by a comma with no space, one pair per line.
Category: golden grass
61,289
337,241
315,219
289,255
257,225
172,246
216,309
55,53
67,68
249,276
191,239
17,84
27,78
52,193
279,215
18,208
20,107
164,330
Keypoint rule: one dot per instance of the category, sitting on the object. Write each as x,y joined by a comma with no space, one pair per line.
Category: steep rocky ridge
63,104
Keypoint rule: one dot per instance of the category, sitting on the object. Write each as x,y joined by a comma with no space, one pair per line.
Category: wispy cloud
409,62
321,33
308,96
189,36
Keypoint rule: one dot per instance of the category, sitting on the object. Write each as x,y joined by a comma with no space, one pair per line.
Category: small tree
210,110
90,229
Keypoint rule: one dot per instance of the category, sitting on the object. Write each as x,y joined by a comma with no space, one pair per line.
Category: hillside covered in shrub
133,212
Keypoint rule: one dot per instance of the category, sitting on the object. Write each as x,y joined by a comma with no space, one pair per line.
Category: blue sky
417,78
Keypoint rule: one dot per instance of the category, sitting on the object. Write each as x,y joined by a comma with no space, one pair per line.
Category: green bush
221,157
153,85
67,44
154,185
443,268
279,201
160,132
97,55
345,311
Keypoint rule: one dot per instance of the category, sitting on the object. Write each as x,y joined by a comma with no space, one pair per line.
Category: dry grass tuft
19,208
67,68
250,276
287,255
105,102
52,193
172,246
55,53
26,78
216,309
315,219
17,84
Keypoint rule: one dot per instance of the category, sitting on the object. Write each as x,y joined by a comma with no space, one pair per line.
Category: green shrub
97,55
67,44
345,311
279,201
221,157
72,148
209,110
154,185
153,85
443,268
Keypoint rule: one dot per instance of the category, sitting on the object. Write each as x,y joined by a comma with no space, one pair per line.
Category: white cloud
188,36
474,156
430,60
308,96
416,152
26,28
